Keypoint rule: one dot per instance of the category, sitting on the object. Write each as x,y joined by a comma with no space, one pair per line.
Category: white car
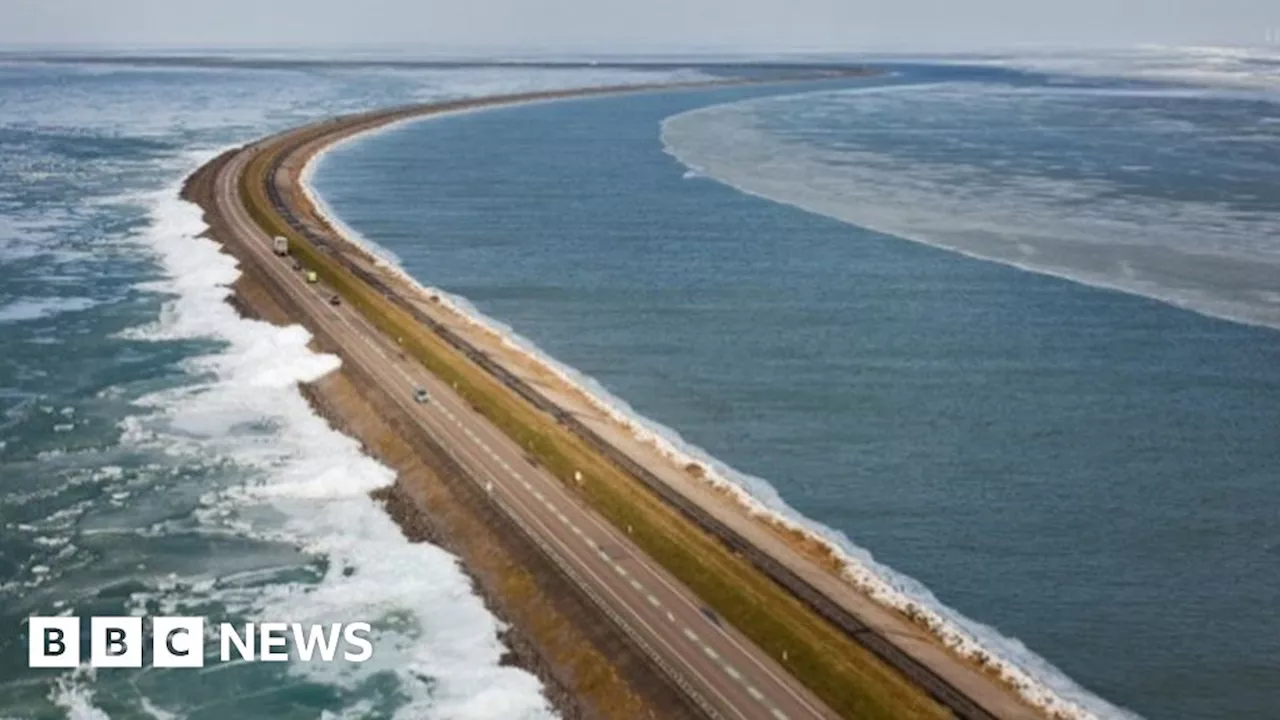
420,395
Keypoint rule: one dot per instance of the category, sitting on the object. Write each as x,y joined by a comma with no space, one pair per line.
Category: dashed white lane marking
753,692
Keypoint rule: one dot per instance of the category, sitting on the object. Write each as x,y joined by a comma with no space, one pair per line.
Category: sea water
156,456
962,319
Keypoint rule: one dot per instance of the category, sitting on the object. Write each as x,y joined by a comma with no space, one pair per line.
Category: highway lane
722,671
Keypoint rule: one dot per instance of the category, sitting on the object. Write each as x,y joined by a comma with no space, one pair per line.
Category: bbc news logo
180,642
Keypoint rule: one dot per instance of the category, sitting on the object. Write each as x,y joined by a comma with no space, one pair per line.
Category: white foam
150,709
245,408
74,694
24,309
1246,68
1032,676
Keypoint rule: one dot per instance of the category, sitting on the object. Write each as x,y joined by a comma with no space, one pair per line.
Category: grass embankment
846,676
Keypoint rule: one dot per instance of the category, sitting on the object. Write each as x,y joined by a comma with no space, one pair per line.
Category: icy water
155,454
1086,479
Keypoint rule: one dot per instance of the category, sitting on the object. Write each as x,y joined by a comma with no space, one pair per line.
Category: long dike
290,151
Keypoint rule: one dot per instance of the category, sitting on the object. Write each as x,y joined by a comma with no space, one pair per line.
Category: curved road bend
721,670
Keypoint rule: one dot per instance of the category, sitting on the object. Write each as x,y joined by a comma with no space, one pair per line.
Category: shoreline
693,473
861,575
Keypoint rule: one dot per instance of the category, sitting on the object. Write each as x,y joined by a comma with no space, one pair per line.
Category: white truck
280,245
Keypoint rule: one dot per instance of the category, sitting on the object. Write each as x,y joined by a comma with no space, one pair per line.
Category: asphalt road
721,670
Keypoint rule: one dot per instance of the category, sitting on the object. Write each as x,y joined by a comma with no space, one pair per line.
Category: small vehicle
311,277
297,264
335,300
280,245
420,396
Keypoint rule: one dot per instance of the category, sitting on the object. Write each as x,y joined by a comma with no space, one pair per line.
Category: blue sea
156,456
1001,327
965,320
